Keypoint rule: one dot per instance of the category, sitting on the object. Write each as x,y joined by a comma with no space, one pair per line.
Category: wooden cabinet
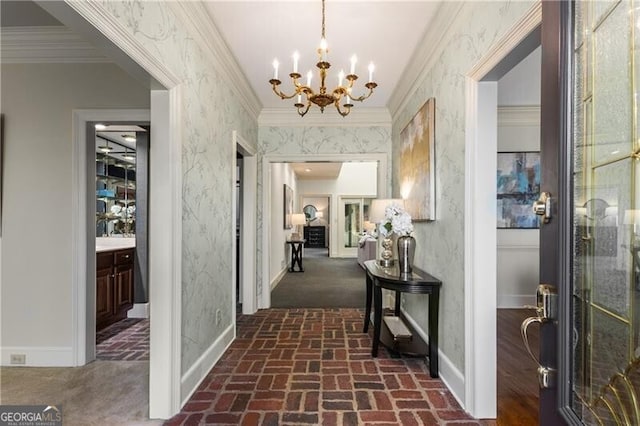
114,286
314,236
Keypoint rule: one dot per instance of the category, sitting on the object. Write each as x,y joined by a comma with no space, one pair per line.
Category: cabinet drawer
123,257
104,260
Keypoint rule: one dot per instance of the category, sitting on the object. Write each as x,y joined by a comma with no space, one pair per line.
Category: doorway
480,289
120,166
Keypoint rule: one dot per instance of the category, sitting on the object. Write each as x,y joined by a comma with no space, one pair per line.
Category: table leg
434,299
367,312
299,256
377,319
398,298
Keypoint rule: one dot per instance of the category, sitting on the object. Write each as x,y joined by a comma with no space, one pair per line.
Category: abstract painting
518,179
417,163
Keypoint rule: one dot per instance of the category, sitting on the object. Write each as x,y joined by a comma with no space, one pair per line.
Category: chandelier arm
282,95
363,97
345,112
302,113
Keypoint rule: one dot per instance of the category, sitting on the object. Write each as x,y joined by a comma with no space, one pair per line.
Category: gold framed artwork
417,163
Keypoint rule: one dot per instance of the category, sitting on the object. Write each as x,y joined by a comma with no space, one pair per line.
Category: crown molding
426,53
359,117
201,26
513,116
35,45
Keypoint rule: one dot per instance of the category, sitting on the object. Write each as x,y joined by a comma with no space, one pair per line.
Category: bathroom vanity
114,279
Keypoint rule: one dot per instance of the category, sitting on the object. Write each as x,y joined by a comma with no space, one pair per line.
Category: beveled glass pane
352,226
612,122
580,343
609,349
611,237
601,8
580,22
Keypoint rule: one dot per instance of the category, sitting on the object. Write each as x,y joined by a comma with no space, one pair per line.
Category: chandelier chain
323,19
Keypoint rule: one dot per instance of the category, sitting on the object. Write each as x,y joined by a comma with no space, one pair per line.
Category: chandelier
322,98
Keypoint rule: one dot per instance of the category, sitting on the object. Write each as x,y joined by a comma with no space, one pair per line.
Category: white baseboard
38,356
515,301
139,310
449,373
199,370
278,277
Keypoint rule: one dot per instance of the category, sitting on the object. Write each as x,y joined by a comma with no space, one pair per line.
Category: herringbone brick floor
314,366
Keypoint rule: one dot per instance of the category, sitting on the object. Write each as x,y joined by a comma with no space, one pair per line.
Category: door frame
480,357
84,232
341,250
383,187
248,231
165,204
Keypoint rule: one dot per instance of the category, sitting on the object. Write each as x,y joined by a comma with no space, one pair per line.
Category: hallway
313,366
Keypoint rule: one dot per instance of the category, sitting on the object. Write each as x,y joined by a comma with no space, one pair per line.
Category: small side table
418,282
296,255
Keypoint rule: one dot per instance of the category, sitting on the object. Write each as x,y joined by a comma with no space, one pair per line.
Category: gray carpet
325,283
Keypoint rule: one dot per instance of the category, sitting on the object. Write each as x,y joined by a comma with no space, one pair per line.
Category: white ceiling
384,32
314,170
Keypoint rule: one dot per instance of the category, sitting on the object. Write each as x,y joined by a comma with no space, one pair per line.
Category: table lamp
297,219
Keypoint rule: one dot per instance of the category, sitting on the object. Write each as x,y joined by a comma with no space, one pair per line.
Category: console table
418,282
296,255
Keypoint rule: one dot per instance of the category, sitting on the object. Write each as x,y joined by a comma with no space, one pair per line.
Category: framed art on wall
417,163
288,206
518,177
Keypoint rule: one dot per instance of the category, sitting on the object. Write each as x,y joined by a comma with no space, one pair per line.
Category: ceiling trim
201,26
30,45
359,117
525,115
422,59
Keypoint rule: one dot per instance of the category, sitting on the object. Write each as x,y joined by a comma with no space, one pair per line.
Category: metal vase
406,250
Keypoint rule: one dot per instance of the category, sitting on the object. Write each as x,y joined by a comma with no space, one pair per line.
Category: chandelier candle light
322,98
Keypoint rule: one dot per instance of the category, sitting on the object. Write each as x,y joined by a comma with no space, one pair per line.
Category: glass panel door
606,214
354,212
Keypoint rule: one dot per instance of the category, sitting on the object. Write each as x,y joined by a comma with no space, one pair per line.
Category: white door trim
480,234
384,186
165,208
249,219
83,236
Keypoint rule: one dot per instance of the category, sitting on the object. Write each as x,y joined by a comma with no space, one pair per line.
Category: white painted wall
357,179
281,174
37,100
518,130
521,85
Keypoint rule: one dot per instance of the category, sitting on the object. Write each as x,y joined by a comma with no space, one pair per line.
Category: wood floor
517,379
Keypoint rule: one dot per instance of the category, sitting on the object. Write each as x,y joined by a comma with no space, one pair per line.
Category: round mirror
309,212
596,208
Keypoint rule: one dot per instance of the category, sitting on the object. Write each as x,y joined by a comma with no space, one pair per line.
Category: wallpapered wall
210,113
309,141
440,244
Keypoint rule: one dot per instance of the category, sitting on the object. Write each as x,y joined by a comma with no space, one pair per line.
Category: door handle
547,311
542,206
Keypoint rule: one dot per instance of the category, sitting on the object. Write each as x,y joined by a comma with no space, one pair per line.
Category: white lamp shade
319,215
376,212
298,219
369,226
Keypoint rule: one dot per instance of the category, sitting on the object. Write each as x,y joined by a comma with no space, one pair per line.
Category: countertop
114,243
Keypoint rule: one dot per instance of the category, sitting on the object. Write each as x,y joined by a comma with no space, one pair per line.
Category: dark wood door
104,296
588,251
123,300
553,142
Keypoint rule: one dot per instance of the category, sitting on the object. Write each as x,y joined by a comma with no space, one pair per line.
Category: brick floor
313,367
126,340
